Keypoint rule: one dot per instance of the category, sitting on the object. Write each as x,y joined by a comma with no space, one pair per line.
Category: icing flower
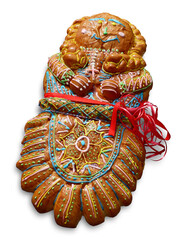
84,146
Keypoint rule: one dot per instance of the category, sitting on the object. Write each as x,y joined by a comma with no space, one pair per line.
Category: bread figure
83,154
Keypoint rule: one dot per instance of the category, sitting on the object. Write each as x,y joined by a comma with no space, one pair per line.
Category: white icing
122,34
83,30
88,144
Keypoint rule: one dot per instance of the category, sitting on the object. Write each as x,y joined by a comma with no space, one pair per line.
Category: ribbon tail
113,123
161,125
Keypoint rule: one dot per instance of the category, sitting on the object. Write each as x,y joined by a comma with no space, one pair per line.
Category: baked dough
69,161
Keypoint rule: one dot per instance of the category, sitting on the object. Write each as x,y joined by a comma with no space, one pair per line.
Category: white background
31,31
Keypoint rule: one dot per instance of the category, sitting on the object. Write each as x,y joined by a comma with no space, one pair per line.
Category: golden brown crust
94,199
108,29
129,82
69,161
98,46
127,40
46,193
74,57
110,89
67,207
81,85
93,213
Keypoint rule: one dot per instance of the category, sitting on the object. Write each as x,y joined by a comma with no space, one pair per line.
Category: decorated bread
83,154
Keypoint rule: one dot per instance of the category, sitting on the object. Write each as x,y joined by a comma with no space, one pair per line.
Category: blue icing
108,40
116,21
135,101
97,19
81,178
51,82
64,90
63,125
82,142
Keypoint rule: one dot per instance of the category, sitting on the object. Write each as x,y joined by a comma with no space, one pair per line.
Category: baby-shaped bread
70,161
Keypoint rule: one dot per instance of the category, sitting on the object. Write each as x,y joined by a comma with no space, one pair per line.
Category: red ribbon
144,121
145,124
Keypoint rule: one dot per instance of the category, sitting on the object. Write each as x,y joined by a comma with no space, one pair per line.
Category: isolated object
83,154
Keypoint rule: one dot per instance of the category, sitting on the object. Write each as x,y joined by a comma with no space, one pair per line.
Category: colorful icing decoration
83,154
81,85
110,89
107,40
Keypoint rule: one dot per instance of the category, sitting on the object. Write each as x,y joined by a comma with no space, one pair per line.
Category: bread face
101,47
105,31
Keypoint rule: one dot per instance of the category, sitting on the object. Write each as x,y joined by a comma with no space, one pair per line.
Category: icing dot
83,30
83,143
121,34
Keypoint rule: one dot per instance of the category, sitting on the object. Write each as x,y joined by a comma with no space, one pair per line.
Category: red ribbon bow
143,119
145,124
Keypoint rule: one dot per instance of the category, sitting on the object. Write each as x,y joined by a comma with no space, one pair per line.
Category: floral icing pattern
85,145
